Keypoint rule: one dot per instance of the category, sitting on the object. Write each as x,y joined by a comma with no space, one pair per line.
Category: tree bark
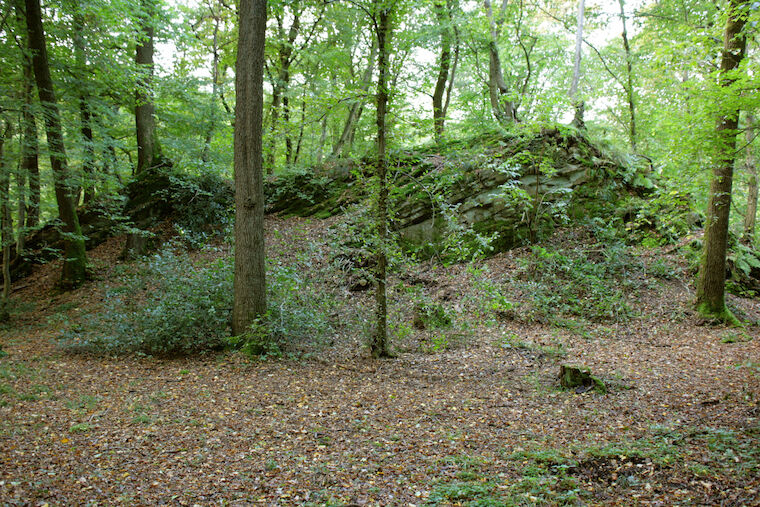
629,87
6,224
250,275
88,159
379,344
444,61
750,217
502,107
280,86
148,150
710,299
75,258
354,111
29,168
578,105
206,153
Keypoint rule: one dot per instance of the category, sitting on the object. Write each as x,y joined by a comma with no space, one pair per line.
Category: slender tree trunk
750,218
288,137
629,71
280,88
710,299
502,107
379,345
354,111
300,131
75,258
444,61
148,150
578,105
322,140
453,72
6,224
29,168
250,275
88,159
206,154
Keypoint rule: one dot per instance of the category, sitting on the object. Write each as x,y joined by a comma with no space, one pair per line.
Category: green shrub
168,308
171,307
589,283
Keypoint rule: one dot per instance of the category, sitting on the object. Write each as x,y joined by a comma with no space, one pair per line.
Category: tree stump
580,379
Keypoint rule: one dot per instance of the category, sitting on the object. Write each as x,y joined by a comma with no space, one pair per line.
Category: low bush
169,307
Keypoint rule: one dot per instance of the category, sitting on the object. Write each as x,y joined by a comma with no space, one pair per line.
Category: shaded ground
473,419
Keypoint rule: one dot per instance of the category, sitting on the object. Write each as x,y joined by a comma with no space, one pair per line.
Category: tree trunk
710,299
444,61
6,225
206,154
280,88
88,158
148,150
250,274
502,107
379,345
75,258
354,110
750,217
578,105
629,87
29,144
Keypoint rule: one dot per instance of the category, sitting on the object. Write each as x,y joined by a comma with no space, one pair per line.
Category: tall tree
6,225
502,105
148,148
629,73
250,275
578,104
85,127
710,299
379,344
443,15
75,258
750,217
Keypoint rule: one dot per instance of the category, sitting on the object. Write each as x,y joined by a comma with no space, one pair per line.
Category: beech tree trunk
750,217
578,105
710,299
29,168
250,275
379,344
75,258
206,153
502,106
354,111
444,61
88,159
148,149
280,87
6,225
629,87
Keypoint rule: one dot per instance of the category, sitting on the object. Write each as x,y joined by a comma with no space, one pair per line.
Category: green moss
722,315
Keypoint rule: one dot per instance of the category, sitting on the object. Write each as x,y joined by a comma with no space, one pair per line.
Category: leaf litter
461,424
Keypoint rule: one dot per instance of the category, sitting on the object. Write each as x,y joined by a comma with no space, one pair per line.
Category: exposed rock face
513,189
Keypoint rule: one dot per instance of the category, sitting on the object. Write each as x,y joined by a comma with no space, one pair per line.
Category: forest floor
466,415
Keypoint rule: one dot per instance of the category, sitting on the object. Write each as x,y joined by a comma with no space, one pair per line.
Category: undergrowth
170,307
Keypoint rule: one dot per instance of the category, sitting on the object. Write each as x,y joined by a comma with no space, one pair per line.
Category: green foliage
203,204
586,283
662,218
171,307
